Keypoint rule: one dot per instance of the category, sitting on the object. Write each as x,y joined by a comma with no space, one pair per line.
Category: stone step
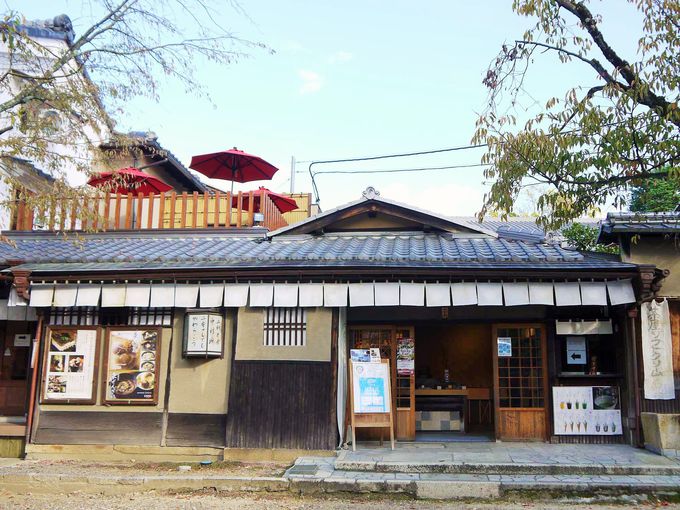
485,486
503,468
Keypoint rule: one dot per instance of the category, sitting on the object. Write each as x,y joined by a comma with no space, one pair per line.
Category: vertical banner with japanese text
657,351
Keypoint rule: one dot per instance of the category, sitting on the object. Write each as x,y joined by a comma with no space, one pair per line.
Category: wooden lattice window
285,327
520,376
94,316
74,316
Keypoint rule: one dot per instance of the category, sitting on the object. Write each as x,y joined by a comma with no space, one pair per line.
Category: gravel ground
80,468
252,501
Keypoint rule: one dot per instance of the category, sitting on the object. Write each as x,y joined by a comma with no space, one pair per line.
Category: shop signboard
587,410
370,398
406,356
370,387
131,372
70,365
203,336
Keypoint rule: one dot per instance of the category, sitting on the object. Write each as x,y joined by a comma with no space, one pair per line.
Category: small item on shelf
593,366
446,376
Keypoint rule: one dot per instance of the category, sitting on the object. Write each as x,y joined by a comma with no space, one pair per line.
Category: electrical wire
397,170
315,188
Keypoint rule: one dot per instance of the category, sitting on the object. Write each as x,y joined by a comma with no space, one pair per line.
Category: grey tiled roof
195,250
638,223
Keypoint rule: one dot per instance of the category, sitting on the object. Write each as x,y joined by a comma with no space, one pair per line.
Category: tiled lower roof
102,252
638,223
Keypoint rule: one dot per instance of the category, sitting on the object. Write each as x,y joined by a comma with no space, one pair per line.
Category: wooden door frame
544,360
392,328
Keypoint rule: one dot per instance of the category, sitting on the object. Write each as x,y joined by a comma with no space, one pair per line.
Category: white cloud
311,81
340,56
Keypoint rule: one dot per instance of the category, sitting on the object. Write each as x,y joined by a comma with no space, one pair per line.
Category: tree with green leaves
657,195
584,238
590,146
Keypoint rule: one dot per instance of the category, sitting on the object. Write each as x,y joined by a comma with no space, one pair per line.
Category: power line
385,156
397,170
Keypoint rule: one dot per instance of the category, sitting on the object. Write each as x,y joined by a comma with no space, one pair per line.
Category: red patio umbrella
128,180
282,202
233,165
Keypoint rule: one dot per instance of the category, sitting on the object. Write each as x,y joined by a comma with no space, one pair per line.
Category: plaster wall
200,385
663,253
250,339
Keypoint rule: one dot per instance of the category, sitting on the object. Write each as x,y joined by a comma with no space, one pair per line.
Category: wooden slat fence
144,212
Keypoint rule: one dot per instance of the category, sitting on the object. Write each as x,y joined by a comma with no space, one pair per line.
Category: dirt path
283,501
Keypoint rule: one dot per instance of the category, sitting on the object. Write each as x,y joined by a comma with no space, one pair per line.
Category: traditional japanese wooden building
220,341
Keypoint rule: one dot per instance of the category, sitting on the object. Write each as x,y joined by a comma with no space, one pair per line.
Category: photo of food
123,385
148,356
146,380
63,341
605,397
124,352
75,363
57,363
56,384
131,366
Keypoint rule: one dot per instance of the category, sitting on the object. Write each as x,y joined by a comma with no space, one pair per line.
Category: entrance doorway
388,339
520,382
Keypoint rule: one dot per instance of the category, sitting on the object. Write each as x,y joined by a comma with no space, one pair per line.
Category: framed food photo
131,365
70,365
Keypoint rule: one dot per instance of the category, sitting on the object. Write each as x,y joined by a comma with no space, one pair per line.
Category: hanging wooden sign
370,397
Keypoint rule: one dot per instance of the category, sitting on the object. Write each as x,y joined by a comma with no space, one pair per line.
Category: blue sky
352,79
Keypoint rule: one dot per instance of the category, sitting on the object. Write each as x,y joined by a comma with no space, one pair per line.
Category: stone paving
513,457
453,470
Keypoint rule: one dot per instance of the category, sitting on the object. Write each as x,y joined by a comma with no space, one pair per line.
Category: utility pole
292,175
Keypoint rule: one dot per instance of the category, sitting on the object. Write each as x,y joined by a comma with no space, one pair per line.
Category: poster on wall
131,374
406,355
370,388
587,410
504,346
70,365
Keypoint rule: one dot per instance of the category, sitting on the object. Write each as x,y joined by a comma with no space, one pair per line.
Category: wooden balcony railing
139,212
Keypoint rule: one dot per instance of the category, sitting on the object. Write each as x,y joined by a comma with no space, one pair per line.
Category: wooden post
173,201
74,213
216,217
194,211
62,213
51,208
161,210
183,218
149,221
107,206
239,209
140,204
95,220
206,196
116,212
128,212
251,208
